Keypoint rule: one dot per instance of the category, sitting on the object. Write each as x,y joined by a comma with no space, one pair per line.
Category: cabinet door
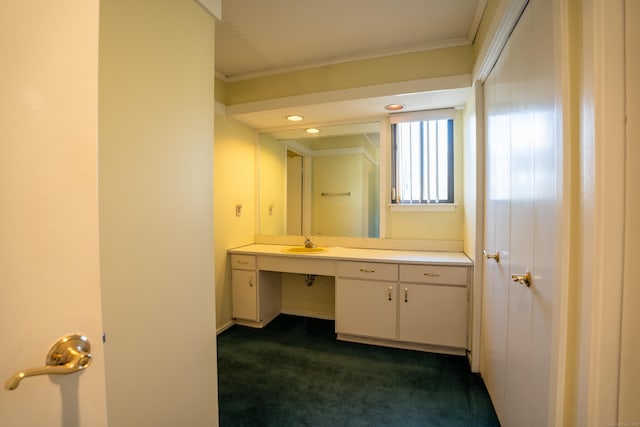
432,314
245,294
366,308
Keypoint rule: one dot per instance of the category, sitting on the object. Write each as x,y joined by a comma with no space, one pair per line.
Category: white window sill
422,207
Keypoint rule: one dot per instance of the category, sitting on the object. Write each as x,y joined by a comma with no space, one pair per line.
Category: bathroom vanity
407,299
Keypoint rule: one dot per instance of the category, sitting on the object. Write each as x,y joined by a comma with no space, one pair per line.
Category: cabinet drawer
243,262
433,274
368,270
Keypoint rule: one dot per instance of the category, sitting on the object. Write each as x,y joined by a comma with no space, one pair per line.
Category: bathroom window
422,158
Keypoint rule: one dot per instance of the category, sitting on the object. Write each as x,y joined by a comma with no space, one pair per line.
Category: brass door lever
68,355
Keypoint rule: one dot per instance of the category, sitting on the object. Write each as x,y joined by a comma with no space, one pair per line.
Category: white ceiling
261,37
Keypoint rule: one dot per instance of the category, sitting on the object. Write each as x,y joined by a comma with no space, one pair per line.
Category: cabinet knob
406,294
390,291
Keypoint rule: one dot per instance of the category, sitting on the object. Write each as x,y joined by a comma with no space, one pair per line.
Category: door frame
628,409
602,200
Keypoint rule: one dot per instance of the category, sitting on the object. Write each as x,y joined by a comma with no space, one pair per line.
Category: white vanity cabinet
244,287
412,304
406,299
256,295
433,305
366,299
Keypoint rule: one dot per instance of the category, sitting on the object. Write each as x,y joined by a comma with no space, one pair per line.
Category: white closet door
521,243
497,229
547,169
521,220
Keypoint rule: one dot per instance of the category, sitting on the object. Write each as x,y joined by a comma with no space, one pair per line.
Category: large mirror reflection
326,183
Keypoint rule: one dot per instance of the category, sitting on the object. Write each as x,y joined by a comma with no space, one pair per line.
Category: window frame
428,115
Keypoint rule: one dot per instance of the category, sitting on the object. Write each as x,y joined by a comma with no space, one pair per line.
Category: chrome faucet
309,244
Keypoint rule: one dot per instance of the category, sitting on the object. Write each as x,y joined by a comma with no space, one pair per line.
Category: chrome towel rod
348,193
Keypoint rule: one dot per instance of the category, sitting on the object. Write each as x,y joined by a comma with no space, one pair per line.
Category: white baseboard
224,327
306,313
403,345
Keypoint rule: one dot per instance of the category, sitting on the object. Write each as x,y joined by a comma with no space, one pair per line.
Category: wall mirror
321,184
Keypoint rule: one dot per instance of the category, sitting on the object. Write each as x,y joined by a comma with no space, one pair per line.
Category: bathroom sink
304,250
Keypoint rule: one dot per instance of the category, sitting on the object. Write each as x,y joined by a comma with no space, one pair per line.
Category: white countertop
359,254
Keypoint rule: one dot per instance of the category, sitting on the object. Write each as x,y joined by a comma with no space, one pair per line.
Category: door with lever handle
69,354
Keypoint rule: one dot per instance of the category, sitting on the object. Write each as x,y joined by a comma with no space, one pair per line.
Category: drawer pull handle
390,290
406,295
432,274
366,270
251,282
243,262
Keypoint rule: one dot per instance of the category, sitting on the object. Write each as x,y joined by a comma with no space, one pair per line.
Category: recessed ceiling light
312,130
294,118
394,107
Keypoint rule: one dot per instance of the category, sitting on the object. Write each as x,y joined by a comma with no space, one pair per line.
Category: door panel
521,239
49,266
497,233
546,207
521,220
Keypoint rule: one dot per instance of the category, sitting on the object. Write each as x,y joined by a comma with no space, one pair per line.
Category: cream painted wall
473,224
470,178
433,225
340,215
234,161
156,62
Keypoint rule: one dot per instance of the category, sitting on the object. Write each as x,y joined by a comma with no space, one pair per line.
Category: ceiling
262,37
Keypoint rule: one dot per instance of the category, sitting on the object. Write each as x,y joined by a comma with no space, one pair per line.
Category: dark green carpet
295,373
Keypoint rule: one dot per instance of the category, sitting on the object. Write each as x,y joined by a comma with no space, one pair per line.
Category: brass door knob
495,256
523,279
